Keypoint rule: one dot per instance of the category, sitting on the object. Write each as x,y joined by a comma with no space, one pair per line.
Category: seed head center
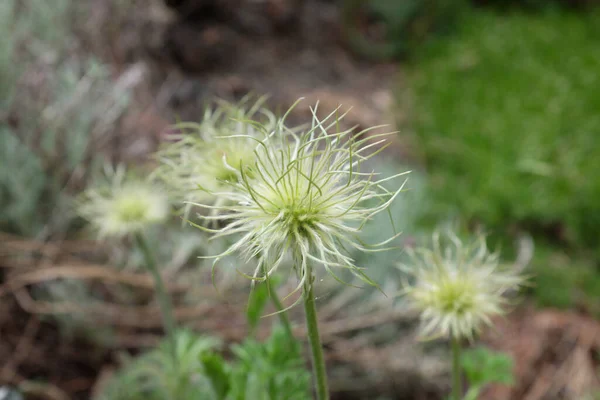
299,218
456,297
130,209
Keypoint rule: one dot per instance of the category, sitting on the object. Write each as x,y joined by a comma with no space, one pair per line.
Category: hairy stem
283,317
164,302
318,361
456,370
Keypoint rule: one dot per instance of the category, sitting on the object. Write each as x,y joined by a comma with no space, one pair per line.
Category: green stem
164,302
314,338
456,370
283,317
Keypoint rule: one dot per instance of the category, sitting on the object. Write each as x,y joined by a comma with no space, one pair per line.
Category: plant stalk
318,361
456,370
164,302
283,317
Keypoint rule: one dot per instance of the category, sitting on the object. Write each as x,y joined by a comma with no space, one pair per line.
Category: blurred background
497,105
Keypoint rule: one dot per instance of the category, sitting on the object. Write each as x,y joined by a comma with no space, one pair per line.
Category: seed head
305,194
457,288
123,206
205,157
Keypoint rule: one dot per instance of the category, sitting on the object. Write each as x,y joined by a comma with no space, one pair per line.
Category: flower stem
456,370
164,302
283,317
314,339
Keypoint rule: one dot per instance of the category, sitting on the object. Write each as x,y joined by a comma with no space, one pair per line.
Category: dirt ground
557,354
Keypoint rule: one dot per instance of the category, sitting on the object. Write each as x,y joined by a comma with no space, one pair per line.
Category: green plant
8,73
482,367
271,370
304,195
407,24
565,280
55,107
539,5
457,287
127,206
507,125
196,373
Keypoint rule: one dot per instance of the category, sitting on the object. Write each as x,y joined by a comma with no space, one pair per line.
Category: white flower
457,288
124,206
305,194
206,155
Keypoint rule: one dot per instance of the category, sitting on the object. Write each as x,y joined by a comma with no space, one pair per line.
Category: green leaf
482,366
258,300
271,371
217,370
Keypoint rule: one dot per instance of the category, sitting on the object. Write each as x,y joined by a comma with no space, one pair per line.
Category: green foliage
28,30
44,26
482,367
155,375
8,73
407,24
271,371
43,155
257,302
10,394
506,120
565,281
268,371
507,124
21,185
537,5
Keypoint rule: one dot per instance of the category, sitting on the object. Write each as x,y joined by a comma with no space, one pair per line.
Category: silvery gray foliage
54,105
7,393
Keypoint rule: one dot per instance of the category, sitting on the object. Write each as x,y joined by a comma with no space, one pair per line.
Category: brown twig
83,272
143,317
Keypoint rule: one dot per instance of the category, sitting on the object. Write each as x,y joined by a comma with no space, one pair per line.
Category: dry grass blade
83,272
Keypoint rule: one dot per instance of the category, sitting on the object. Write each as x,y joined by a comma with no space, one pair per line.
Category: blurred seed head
457,287
205,157
124,205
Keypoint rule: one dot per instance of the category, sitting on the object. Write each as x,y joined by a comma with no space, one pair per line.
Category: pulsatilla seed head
204,157
306,194
457,287
124,205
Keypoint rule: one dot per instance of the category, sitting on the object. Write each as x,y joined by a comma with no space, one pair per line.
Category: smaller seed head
206,156
124,206
457,288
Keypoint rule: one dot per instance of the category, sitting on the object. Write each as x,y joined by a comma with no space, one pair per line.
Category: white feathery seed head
124,205
306,195
457,288
205,156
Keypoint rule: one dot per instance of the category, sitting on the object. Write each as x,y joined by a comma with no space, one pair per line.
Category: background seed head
124,205
204,157
458,287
